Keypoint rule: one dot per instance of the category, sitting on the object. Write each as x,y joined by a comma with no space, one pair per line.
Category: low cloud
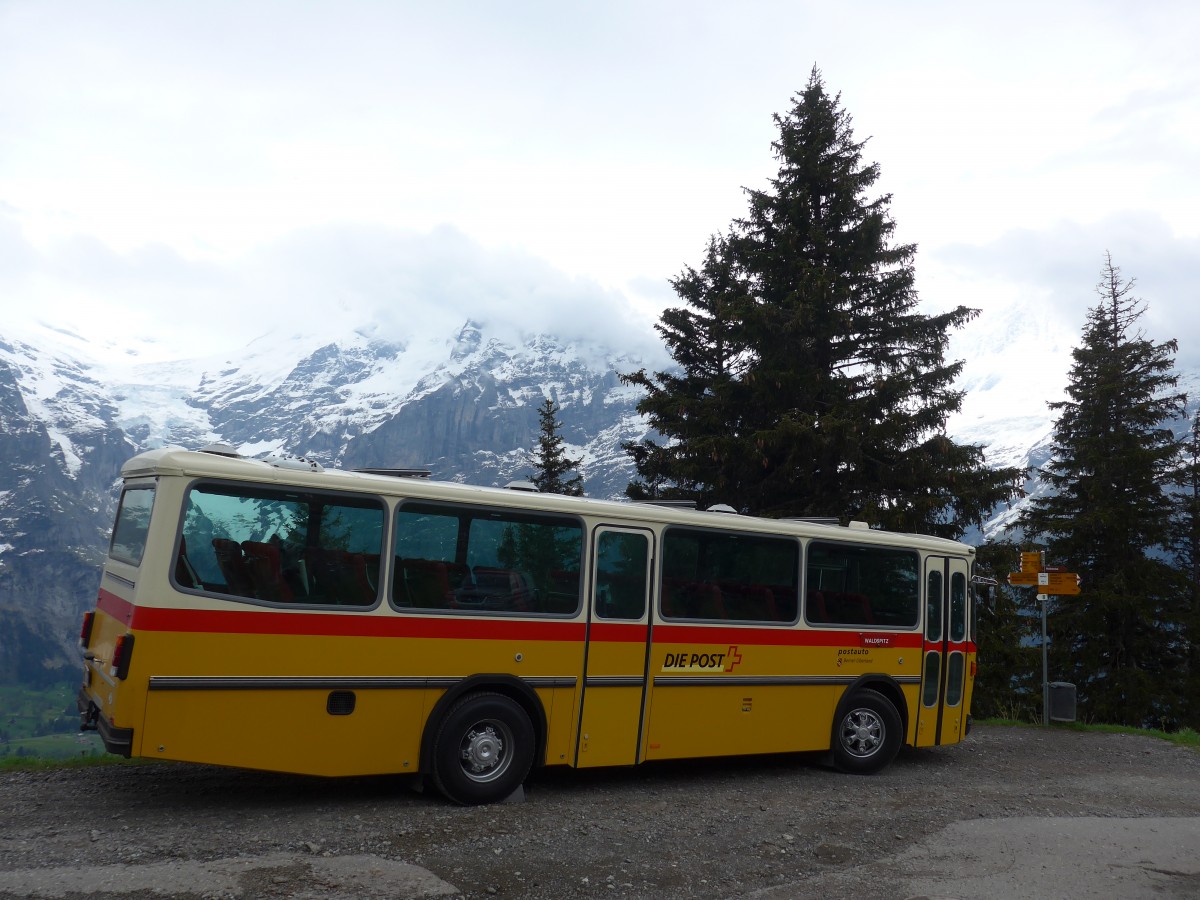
1057,269
402,284
408,282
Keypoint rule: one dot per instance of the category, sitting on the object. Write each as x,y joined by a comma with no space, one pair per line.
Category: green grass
27,712
53,750
1186,737
40,727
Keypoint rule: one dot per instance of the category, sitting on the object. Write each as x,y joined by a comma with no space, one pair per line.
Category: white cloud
1058,268
195,174
402,283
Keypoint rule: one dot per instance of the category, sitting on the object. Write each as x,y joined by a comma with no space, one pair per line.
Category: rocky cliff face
60,451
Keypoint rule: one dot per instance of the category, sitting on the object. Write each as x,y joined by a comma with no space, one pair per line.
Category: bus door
942,715
614,692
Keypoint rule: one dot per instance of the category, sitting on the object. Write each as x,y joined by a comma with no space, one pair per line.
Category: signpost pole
1048,580
1045,666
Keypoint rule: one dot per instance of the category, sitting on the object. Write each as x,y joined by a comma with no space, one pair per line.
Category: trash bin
1062,701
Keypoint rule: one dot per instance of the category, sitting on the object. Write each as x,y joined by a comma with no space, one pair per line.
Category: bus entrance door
941,717
614,692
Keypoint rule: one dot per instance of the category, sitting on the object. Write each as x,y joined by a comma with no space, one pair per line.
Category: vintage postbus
273,614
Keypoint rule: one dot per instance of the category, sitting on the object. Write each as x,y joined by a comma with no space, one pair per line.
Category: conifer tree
1109,518
703,403
809,383
1187,550
552,466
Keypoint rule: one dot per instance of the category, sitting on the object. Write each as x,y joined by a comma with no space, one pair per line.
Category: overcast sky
196,173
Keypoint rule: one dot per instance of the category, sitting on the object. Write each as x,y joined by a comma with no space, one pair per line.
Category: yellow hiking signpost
1023,579
1049,580
1061,583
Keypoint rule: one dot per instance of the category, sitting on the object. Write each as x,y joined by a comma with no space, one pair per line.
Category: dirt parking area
1010,812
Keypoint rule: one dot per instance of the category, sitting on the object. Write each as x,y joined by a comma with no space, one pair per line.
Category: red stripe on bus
150,618
702,634
109,603
955,647
619,632
283,622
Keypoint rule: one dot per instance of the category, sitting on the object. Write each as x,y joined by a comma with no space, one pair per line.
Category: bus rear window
281,546
132,525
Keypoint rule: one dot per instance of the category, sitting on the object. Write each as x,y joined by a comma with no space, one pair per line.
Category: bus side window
722,576
480,560
862,585
275,546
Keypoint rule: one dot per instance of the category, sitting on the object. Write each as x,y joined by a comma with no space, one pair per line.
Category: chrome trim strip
748,680
550,681
766,680
317,682
259,683
120,579
615,681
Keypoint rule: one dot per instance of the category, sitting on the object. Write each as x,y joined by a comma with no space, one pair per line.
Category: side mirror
983,587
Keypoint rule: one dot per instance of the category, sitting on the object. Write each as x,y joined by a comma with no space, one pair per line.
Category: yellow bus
272,614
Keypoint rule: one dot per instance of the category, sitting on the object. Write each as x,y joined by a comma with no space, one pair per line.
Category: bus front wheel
866,735
483,750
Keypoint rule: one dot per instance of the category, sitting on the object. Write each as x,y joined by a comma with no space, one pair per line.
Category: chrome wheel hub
862,732
483,750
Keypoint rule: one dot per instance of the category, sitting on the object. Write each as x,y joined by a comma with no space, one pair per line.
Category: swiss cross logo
732,658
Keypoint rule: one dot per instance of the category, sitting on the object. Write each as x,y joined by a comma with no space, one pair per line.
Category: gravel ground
780,826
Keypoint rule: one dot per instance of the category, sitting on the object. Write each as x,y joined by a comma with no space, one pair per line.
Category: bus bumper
118,741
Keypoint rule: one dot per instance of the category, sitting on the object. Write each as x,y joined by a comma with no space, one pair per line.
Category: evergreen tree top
1115,454
808,382
552,466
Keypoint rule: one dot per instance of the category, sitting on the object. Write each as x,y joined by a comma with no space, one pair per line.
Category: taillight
122,651
85,633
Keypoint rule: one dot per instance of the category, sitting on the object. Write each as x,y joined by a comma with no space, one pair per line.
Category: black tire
866,733
483,749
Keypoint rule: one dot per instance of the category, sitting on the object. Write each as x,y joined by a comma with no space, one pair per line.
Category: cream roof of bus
193,464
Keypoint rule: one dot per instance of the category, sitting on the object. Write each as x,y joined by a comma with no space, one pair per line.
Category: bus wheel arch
890,689
507,686
484,748
868,728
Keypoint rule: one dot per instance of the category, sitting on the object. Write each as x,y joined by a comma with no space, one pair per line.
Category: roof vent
527,486
859,526
722,508
221,450
287,461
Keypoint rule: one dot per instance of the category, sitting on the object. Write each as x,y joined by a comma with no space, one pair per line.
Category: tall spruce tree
554,471
1187,555
808,382
1109,518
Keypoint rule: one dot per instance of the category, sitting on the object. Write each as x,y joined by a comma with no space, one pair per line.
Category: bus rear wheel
866,734
483,750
